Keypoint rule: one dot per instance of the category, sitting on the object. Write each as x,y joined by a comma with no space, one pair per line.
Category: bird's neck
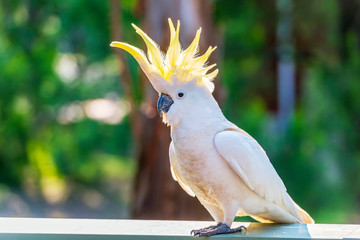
206,120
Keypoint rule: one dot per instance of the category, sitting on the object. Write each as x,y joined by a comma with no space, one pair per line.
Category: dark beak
164,103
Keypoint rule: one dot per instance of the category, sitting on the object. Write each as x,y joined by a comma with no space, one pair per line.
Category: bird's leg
220,228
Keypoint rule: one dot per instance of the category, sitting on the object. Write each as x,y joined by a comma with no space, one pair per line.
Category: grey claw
198,232
221,228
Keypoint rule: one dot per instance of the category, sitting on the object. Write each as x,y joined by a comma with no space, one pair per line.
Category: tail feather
304,215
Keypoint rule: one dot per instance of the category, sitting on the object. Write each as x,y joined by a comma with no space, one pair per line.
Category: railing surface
96,229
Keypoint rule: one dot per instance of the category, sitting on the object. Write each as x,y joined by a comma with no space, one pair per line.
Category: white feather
175,175
250,162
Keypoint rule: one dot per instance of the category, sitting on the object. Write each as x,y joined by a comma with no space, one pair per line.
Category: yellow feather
174,46
189,53
154,52
135,52
172,29
177,64
200,61
203,70
212,75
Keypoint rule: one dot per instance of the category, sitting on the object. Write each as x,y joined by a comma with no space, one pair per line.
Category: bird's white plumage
212,159
175,175
250,162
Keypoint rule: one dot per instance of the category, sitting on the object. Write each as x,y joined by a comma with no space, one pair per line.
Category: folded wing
248,160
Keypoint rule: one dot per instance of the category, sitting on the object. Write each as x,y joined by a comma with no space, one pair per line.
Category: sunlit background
79,132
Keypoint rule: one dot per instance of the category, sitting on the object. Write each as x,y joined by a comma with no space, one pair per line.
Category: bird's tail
304,215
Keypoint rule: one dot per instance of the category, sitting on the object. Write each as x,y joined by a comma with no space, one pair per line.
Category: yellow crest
176,62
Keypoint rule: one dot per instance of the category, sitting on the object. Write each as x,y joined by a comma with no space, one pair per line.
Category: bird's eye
180,94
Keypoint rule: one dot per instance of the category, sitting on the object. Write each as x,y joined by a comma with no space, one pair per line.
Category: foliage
55,59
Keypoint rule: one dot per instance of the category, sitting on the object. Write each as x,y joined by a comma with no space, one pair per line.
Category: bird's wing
175,175
248,160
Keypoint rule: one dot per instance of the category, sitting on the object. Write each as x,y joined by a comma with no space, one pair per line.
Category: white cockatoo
211,158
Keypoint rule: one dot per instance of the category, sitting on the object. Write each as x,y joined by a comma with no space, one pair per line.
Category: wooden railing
94,229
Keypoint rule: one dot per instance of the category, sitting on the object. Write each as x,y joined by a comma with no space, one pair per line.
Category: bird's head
180,76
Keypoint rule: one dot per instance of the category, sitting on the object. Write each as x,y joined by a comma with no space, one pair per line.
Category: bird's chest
193,149
195,156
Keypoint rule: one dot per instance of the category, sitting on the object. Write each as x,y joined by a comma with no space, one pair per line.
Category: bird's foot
195,232
220,228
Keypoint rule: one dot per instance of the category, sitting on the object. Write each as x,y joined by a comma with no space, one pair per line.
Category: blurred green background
66,145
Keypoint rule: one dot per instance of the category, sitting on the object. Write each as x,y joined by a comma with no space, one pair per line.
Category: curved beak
164,103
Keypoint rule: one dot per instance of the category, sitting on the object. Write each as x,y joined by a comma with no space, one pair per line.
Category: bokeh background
79,133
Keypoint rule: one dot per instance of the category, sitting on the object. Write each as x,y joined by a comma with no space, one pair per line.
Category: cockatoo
210,157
